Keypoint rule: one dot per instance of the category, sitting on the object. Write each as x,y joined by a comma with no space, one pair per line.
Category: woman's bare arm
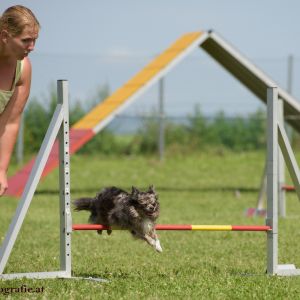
10,122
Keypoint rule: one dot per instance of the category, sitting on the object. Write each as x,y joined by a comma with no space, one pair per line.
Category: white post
64,180
272,178
281,167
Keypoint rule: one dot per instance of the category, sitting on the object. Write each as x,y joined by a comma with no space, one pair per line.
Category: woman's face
21,45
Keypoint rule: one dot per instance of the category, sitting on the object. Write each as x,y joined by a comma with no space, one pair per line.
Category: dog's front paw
158,247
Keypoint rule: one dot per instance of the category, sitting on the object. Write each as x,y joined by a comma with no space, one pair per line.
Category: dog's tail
84,204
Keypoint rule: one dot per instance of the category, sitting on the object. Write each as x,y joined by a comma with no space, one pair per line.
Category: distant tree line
201,133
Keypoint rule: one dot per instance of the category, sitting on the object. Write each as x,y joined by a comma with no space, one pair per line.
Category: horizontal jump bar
183,227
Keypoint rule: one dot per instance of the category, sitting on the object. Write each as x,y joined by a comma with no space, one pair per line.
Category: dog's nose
150,207
153,207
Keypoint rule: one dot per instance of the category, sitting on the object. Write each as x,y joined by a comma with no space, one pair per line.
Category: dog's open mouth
151,213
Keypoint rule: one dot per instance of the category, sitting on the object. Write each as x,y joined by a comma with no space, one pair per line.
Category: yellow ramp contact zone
108,106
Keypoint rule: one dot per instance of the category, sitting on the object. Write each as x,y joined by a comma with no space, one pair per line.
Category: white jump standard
59,127
276,135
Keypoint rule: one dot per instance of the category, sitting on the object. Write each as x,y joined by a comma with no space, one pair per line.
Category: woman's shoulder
24,70
25,63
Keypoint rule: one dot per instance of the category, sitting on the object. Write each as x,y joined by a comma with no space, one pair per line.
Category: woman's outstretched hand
3,183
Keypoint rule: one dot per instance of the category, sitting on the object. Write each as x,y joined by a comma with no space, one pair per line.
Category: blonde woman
19,31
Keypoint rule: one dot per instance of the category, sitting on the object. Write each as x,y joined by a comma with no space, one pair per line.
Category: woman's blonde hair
16,18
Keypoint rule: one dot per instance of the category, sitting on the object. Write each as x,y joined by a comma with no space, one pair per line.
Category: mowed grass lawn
194,189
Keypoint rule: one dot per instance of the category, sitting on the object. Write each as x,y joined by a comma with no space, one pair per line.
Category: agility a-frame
102,114
58,128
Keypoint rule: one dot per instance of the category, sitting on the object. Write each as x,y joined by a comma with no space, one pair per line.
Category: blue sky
94,42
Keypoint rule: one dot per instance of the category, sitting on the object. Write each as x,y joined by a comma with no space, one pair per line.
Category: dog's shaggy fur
136,211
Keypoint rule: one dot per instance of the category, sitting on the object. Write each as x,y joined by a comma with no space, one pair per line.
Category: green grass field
195,189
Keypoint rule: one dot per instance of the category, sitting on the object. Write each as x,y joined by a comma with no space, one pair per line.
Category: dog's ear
134,190
151,189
